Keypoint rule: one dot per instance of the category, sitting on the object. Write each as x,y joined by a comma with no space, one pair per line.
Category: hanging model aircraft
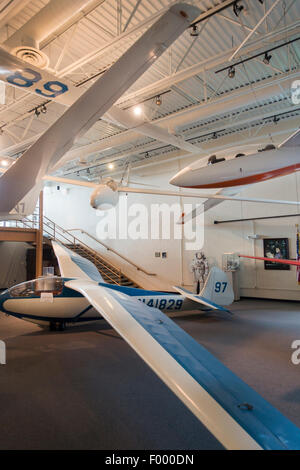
233,412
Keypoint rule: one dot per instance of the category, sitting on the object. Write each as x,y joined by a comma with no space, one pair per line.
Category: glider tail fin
217,288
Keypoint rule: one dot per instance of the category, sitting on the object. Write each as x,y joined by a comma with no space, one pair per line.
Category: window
51,284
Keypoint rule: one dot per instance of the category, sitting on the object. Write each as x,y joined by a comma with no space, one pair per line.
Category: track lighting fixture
231,72
267,58
237,9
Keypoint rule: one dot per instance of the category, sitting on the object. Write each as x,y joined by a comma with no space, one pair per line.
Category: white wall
72,210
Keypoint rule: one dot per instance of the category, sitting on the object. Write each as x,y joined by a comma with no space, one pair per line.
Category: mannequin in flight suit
200,270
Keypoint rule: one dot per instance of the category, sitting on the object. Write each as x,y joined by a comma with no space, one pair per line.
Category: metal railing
54,232
57,233
112,250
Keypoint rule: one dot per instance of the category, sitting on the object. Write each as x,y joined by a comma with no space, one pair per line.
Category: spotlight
267,58
37,112
111,166
237,9
214,136
194,32
276,119
231,72
158,100
43,109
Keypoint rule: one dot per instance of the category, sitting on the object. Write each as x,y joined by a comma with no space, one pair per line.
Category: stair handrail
139,268
56,231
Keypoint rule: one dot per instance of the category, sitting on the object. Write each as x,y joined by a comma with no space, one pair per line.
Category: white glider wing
233,412
32,166
73,265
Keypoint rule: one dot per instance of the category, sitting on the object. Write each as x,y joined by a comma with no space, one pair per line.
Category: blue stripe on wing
266,425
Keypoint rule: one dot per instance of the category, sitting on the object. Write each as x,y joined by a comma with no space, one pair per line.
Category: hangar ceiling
205,106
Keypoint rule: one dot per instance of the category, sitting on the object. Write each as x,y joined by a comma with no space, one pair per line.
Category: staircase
51,231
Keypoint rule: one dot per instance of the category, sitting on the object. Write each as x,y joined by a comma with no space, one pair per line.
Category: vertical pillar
39,241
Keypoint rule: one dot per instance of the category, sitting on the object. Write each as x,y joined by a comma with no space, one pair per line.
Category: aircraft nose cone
181,178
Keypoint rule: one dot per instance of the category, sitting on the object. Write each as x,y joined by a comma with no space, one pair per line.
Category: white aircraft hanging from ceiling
233,412
270,162
25,177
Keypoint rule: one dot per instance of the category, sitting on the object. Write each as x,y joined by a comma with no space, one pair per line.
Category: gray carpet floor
86,389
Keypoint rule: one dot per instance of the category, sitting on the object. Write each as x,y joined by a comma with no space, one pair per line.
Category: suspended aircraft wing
274,260
160,192
59,138
233,412
130,121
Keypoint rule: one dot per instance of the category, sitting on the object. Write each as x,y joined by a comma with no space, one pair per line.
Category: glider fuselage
247,169
48,301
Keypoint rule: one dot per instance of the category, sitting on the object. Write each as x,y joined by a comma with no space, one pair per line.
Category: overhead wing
233,412
292,141
160,192
73,265
130,121
59,138
274,260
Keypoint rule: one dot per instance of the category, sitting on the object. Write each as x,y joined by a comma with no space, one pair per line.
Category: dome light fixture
158,100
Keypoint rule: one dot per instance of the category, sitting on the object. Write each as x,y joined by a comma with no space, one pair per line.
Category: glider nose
182,178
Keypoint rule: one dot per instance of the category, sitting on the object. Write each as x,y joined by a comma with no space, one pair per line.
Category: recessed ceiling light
4,162
111,166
